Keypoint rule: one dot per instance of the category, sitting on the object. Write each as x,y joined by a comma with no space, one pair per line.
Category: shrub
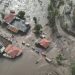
2,14
35,20
59,59
53,11
73,68
21,14
37,29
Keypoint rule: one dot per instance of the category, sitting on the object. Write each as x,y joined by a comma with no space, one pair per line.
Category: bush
35,20
61,2
21,14
2,14
53,11
37,29
59,59
73,68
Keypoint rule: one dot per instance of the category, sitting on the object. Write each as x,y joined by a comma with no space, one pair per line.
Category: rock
36,41
37,51
44,33
48,60
67,9
36,62
42,36
28,45
47,24
50,73
33,40
23,43
33,48
59,36
43,54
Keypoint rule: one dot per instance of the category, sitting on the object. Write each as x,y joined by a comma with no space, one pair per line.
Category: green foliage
73,18
65,26
71,4
37,29
59,59
50,7
35,20
21,14
61,2
53,11
2,14
73,68
51,17
53,2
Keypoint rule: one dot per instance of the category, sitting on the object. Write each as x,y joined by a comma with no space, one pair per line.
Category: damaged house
15,24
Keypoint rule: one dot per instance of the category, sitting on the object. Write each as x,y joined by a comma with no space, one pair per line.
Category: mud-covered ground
25,65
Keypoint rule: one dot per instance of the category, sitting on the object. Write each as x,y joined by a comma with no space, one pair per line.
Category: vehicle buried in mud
8,50
16,24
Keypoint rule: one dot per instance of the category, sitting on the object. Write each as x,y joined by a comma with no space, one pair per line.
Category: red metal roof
13,51
44,43
9,18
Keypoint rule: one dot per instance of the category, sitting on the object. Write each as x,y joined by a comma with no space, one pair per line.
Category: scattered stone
36,41
37,62
42,36
37,51
33,40
50,73
43,54
23,43
48,60
45,33
46,24
59,36
33,48
28,45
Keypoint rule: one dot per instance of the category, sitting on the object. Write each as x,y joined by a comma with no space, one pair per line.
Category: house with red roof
10,17
44,43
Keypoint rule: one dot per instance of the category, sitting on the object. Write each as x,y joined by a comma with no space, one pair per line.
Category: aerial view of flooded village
37,37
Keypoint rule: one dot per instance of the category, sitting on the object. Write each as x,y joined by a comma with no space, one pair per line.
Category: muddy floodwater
23,66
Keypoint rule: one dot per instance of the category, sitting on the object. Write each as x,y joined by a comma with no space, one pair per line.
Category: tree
35,20
61,2
21,14
37,29
53,11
